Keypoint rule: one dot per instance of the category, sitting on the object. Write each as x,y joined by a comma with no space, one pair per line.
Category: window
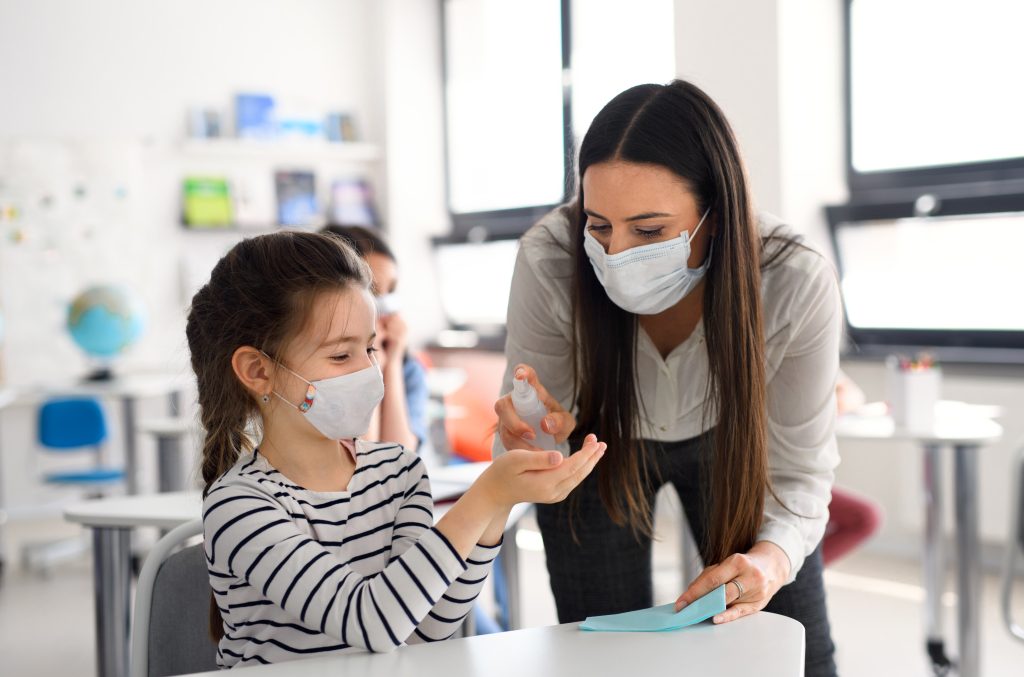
933,93
523,80
937,282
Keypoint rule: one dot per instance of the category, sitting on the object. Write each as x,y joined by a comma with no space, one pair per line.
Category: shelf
280,150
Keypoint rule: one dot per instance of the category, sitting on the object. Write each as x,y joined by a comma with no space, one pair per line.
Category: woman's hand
521,476
514,433
760,573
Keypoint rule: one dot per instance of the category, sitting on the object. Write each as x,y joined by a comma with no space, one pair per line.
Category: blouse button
663,428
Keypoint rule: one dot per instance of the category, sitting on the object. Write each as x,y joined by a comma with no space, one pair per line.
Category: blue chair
71,425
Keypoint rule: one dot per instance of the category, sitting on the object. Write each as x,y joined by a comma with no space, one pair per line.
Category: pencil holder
912,396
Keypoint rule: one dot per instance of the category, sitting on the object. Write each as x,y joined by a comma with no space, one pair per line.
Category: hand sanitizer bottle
529,408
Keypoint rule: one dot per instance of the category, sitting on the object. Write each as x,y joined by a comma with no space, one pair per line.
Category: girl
701,341
317,541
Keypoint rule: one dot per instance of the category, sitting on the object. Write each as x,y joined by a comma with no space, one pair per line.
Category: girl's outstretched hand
521,476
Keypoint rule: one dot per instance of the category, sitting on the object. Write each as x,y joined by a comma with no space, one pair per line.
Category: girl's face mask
341,407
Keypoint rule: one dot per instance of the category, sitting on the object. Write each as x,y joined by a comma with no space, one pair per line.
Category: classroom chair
65,425
73,424
172,606
1014,546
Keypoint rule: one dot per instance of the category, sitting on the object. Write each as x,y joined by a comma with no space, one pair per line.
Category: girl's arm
252,537
445,617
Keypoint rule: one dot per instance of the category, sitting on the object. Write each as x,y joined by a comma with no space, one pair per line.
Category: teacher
700,340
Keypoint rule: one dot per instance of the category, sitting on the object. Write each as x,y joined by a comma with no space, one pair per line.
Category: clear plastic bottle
529,408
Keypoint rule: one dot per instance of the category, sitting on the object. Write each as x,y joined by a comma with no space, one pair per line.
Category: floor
874,602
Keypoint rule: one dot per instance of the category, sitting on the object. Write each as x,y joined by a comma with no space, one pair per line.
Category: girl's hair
260,294
363,240
677,126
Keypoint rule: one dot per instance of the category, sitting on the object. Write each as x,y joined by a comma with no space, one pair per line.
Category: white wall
109,82
775,66
410,55
729,48
124,72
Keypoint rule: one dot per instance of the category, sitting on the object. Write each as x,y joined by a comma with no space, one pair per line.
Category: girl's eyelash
650,233
371,349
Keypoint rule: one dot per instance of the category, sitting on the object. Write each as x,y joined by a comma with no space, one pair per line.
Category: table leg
174,403
968,560
171,476
112,582
131,470
510,567
934,566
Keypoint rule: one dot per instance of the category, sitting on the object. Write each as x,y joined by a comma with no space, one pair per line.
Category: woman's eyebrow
649,215
638,217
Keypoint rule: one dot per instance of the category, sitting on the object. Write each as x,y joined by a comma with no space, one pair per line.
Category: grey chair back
179,639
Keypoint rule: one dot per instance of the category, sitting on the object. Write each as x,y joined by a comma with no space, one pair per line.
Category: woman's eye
597,229
370,350
650,234
339,358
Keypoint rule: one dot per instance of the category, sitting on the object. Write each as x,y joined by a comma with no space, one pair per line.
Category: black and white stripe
299,572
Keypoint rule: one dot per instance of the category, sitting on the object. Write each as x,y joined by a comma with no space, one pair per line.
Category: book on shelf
296,198
352,203
206,202
255,116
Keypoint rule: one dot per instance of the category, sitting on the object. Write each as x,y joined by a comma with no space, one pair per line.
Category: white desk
764,644
112,521
965,428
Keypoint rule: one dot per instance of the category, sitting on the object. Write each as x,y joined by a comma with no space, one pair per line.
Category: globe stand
103,373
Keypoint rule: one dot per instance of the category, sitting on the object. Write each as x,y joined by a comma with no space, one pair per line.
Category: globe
105,320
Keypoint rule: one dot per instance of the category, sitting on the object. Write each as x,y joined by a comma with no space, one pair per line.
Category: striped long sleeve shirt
297,572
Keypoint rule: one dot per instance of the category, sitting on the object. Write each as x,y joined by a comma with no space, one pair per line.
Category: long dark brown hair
677,126
260,294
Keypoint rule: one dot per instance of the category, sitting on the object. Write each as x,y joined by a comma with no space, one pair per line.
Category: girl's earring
266,398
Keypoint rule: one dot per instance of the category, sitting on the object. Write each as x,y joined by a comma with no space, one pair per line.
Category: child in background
317,541
402,416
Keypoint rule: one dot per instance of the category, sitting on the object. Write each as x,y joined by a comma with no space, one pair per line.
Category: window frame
963,346
513,222
1005,175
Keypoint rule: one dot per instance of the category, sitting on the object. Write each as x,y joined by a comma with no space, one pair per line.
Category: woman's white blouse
803,324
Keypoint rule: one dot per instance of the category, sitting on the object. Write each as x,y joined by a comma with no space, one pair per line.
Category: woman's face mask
649,279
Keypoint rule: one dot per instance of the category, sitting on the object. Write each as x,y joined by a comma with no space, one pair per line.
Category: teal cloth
660,618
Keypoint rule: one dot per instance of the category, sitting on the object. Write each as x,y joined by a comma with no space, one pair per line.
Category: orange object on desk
471,433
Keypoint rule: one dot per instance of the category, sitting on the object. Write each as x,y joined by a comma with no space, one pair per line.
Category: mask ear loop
307,401
699,224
